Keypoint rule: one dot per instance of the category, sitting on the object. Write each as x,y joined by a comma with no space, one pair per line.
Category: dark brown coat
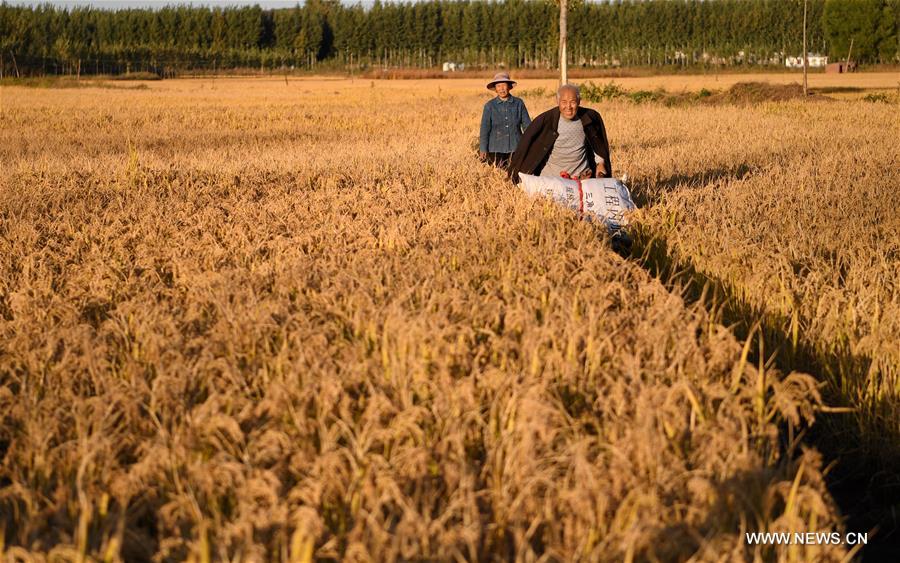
537,142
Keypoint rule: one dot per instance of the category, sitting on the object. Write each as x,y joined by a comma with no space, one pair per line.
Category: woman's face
502,89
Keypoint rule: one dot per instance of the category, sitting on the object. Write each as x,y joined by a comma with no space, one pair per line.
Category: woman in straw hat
503,121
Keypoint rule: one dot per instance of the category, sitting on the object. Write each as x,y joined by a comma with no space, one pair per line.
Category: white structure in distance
815,61
453,67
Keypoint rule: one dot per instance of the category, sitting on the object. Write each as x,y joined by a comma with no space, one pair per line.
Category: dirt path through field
838,85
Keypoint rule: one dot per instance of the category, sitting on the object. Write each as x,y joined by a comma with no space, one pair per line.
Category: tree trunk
805,58
563,27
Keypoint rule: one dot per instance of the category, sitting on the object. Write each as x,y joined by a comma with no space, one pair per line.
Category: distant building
815,61
841,67
453,67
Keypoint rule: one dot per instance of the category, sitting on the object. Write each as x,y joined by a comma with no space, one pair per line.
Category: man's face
502,89
568,104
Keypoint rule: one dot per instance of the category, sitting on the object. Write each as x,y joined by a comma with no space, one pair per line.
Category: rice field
800,222
295,320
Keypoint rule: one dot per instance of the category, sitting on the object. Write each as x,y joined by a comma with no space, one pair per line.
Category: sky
118,4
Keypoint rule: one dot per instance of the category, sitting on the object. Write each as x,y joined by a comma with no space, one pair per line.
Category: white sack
603,199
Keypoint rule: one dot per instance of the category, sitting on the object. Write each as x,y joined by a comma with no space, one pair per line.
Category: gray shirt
569,152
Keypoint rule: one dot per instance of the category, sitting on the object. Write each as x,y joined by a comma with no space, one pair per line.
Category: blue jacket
502,124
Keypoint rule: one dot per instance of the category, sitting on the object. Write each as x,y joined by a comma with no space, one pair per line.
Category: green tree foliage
515,33
858,21
889,31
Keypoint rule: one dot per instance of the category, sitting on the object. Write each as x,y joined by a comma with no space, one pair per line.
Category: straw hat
500,77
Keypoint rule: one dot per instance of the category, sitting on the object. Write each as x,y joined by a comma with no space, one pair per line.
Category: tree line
512,33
